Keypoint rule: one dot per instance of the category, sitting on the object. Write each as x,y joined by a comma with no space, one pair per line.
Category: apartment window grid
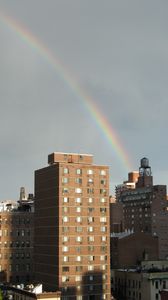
78,209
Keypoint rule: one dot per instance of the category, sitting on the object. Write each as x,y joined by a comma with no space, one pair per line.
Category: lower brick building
128,249
16,241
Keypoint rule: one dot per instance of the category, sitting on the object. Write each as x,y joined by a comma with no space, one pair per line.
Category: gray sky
118,51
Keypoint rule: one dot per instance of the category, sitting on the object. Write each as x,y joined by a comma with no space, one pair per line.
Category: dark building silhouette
145,208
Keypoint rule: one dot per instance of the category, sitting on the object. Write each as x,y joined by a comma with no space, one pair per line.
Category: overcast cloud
118,51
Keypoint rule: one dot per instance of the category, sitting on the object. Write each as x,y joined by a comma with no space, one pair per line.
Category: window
5,232
103,248
103,210
78,229
27,255
78,239
91,257
27,221
65,278
65,229
103,238
102,200
65,209
78,190
103,219
78,249
90,200
90,229
90,172
78,219
65,249
102,172
90,209
91,277
104,277
78,171
90,191
65,190
65,219
65,199
90,219
64,180
78,258
78,200
65,171
103,191
90,180
27,267
17,268
103,257
65,258
78,278
79,268
103,267
27,244
78,180
90,248
65,238
90,267
91,238
78,209
65,269
103,229
102,181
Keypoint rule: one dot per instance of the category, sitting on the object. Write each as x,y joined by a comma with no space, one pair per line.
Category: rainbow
63,72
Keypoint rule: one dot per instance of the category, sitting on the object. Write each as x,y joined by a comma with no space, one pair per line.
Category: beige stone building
72,230
146,283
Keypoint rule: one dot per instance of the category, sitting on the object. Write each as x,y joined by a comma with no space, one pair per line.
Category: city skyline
115,54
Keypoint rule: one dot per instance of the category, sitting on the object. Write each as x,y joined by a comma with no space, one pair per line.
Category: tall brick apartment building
72,232
145,207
